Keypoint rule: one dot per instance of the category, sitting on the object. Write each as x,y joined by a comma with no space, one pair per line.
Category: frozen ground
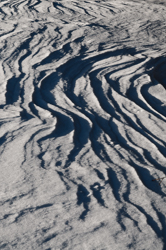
82,125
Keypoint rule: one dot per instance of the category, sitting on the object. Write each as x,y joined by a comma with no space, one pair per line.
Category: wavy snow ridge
82,114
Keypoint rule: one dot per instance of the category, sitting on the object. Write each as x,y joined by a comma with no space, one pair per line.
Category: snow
82,124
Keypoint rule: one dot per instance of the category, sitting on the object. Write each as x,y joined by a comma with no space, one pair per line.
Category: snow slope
82,125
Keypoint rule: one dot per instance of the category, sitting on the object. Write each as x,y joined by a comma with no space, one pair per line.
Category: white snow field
82,125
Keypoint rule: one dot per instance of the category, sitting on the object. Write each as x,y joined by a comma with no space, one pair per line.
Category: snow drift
82,125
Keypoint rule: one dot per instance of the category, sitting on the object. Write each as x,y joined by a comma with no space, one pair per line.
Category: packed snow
82,125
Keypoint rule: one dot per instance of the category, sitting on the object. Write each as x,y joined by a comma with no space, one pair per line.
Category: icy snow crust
82,125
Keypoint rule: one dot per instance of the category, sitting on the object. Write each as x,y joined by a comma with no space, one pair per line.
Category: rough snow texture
82,125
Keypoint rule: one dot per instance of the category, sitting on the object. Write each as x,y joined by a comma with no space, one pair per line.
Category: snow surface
82,124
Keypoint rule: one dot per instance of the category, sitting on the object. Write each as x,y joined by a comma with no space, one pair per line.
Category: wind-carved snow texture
82,125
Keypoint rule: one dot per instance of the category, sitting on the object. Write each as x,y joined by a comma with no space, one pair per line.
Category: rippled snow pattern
82,125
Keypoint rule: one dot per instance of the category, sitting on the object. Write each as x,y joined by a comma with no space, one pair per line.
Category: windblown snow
82,125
